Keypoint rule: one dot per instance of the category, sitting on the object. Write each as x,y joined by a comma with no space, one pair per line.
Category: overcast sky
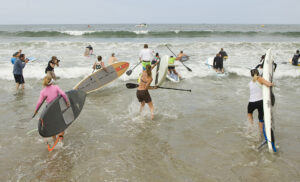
149,11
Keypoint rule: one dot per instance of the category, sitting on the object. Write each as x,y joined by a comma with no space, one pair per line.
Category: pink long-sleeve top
50,93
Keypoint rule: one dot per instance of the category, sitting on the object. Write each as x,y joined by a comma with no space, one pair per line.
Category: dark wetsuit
223,54
143,95
218,62
295,59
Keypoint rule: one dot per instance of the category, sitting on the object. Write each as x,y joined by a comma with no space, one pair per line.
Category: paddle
189,69
39,108
133,85
130,71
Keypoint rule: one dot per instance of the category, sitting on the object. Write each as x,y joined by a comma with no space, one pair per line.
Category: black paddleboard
56,116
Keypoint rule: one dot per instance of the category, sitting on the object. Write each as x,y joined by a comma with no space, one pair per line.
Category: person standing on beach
142,93
50,68
112,59
15,56
50,93
145,56
256,99
18,71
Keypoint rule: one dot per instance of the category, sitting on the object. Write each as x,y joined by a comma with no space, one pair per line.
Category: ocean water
199,136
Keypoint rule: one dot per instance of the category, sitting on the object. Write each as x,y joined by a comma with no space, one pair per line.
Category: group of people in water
148,60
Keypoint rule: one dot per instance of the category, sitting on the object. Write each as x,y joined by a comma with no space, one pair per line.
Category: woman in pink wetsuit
50,92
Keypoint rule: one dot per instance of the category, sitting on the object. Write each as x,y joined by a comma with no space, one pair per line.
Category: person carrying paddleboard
99,64
145,56
50,68
296,58
112,59
218,63
15,56
142,93
256,99
50,93
19,65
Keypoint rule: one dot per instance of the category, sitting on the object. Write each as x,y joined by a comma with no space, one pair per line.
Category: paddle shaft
175,89
189,69
130,71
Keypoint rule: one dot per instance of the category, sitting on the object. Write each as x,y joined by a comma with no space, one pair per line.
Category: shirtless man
112,59
181,55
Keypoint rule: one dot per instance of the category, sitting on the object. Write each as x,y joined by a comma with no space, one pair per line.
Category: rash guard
50,93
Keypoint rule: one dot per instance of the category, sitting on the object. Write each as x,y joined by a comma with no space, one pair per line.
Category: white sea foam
77,33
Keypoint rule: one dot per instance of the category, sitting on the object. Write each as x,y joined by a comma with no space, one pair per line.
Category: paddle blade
131,85
129,72
189,69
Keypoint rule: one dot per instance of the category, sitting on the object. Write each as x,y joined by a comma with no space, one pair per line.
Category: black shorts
171,67
143,96
219,66
259,106
19,79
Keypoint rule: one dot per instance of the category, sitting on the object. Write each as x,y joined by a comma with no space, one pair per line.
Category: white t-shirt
255,92
146,54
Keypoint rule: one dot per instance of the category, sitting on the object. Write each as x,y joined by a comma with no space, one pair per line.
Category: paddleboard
159,71
184,58
31,59
56,116
291,60
210,62
172,77
100,78
269,125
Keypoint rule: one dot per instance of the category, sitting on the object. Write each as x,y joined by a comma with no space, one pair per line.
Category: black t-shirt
49,68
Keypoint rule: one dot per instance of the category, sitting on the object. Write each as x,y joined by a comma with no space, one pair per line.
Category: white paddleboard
269,127
173,78
159,71
210,62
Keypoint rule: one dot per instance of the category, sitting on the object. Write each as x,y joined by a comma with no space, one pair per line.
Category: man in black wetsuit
296,58
218,63
50,67
223,54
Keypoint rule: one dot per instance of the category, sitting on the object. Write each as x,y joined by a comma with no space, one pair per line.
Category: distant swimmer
155,60
112,59
218,63
256,99
50,68
88,51
15,56
98,64
296,58
182,57
19,65
142,93
223,54
146,56
50,93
